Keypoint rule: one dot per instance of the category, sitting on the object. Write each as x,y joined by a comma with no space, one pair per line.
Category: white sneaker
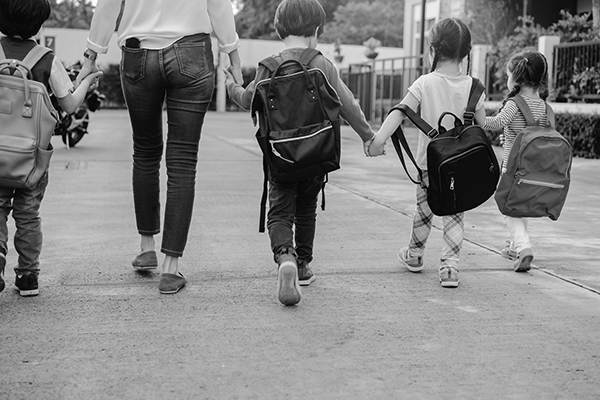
412,263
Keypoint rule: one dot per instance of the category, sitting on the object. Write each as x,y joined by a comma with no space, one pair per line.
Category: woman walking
166,57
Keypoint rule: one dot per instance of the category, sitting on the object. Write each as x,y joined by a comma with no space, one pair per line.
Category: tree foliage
74,14
570,28
491,20
357,21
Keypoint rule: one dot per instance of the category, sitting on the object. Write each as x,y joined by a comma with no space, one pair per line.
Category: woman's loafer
145,261
171,283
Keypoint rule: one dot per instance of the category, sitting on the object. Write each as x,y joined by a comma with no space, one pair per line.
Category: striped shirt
511,121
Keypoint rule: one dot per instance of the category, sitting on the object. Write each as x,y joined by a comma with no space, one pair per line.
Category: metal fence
380,84
577,71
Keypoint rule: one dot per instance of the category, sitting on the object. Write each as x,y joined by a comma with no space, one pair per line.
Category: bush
110,86
581,130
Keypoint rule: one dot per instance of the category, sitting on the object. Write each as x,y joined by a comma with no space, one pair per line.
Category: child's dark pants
25,207
293,204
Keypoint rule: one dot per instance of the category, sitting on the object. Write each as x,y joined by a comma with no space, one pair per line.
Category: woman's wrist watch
90,54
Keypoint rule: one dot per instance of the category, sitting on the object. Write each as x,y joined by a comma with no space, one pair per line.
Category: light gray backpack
538,173
27,122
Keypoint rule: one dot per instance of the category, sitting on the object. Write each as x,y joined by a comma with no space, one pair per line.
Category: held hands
229,76
89,67
236,73
376,147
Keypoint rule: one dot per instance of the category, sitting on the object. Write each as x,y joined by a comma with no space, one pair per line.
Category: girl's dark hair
299,18
23,18
530,68
450,39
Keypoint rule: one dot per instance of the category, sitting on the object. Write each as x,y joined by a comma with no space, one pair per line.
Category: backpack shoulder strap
307,55
269,63
477,89
525,110
35,55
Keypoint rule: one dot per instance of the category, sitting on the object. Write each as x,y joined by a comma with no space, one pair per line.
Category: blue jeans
25,207
183,73
293,209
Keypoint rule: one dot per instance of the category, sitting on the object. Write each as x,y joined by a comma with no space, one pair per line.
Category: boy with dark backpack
27,120
287,133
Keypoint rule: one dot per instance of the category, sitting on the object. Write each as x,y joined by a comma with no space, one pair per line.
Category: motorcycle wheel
75,137
75,134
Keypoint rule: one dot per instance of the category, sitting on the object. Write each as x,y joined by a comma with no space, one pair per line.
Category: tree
255,20
358,21
491,20
74,14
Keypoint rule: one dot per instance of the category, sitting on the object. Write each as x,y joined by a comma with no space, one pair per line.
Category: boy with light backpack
298,97
27,120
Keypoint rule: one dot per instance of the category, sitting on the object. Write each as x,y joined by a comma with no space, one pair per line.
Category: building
545,12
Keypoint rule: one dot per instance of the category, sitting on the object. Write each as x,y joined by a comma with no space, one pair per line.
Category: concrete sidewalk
366,328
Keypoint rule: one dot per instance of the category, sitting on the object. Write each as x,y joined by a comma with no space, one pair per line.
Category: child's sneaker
305,275
2,265
288,288
508,252
412,263
449,277
27,284
523,262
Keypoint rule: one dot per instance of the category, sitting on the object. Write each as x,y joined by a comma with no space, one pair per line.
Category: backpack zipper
273,142
540,183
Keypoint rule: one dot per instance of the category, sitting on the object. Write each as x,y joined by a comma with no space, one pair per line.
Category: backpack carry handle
312,89
457,122
27,111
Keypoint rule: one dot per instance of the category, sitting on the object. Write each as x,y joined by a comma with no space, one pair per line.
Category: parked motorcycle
72,127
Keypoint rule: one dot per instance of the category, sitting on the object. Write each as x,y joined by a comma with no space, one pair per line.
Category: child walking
291,219
527,76
20,21
445,88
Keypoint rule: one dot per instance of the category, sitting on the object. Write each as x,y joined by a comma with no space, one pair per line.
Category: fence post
478,57
546,47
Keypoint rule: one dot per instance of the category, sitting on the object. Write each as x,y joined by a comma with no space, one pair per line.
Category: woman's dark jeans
293,209
183,73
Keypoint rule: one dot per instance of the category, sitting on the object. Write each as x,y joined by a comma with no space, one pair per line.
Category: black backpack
298,122
463,168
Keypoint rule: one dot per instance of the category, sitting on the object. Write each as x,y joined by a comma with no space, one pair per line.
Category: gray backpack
538,173
27,122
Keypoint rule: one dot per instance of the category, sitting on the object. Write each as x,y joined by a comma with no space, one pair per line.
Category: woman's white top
160,23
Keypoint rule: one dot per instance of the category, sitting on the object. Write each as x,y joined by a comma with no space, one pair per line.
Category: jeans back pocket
194,59
133,64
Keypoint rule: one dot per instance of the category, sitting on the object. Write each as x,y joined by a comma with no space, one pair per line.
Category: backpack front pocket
302,147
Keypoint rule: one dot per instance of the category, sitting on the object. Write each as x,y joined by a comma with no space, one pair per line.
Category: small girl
527,76
445,88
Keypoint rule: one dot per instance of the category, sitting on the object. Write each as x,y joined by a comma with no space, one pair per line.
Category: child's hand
377,148
501,138
92,80
367,144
